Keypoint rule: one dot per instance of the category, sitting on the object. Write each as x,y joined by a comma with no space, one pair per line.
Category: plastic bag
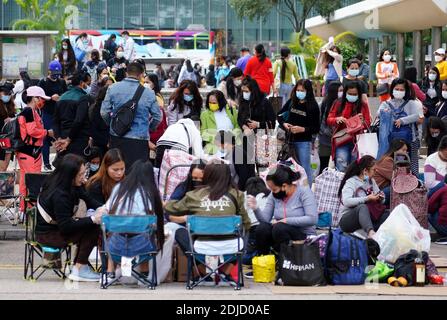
264,268
315,162
399,234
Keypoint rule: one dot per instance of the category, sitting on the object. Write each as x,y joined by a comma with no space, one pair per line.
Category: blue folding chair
129,226
214,228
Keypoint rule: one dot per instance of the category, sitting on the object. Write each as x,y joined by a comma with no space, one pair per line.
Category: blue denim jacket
148,114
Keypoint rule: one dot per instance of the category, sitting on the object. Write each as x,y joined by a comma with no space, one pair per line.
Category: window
166,14
183,14
132,15
150,14
202,44
200,12
168,43
186,43
98,14
115,14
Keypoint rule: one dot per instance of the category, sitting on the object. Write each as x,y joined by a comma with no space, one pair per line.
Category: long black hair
283,175
233,92
221,101
358,103
256,94
141,180
260,51
409,91
285,52
255,186
217,178
395,146
196,165
179,102
329,99
441,98
307,85
154,79
355,169
63,176
435,123
189,67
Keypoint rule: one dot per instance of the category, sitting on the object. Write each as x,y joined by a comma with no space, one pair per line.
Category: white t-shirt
223,122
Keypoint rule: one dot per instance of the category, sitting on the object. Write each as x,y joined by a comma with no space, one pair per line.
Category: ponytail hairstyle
355,169
285,52
283,175
260,52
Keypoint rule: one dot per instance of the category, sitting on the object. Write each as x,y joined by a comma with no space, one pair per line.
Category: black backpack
123,118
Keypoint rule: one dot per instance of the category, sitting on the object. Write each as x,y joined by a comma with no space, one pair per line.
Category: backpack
346,259
10,138
92,72
123,118
404,132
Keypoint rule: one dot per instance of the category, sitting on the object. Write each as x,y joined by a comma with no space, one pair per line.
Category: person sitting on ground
111,172
292,207
217,197
93,161
435,168
437,209
441,107
383,170
137,194
192,182
436,130
56,226
357,190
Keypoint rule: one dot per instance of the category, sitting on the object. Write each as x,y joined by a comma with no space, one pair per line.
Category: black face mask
196,183
279,195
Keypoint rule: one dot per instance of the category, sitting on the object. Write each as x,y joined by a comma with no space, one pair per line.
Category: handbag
340,138
266,148
354,124
300,265
276,103
287,150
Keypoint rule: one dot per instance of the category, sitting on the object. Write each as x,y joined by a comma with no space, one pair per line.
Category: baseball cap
36,91
55,67
440,51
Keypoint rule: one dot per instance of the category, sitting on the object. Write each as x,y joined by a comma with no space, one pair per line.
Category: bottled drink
419,271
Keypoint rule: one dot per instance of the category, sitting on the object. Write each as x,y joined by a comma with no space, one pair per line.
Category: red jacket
347,113
31,125
155,135
262,72
438,202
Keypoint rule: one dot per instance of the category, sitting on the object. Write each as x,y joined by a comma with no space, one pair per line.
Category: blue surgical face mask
354,72
94,167
352,98
366,178
301,95
88,89
188,97
6,99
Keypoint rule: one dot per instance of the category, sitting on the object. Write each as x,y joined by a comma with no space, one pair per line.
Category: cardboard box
181,265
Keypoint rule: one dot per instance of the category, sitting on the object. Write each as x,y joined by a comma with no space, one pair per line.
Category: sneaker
229,281
442,241
84,274
249,275
48,167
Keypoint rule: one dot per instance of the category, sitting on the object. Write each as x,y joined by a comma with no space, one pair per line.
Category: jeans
303,150
284,92
386,125
343,156
387,192
47,120
440,229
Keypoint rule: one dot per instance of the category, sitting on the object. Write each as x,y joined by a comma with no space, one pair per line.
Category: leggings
268,235
359,218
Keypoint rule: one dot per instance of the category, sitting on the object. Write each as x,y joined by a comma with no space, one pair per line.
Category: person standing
67,58
109,48
431,86
441,63
364,68
286,69
185,101
129,46
329,63
91,65
243,60
386,72
260,69
300,117
54,87
7,112
81,50
161,75
135,143
187,73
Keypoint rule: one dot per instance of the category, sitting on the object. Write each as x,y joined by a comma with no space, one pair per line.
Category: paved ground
12,286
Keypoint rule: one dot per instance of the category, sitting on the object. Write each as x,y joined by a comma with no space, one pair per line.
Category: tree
47,15
295,11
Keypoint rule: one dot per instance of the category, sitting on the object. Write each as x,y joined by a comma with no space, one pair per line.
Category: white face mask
432,76
387,58
120,54
398,94
444,94
438,58
246,95
237,83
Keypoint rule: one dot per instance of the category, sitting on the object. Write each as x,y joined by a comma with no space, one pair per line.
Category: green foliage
311,64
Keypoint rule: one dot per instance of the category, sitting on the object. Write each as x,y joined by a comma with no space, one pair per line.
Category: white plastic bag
367,145
315,162
401,233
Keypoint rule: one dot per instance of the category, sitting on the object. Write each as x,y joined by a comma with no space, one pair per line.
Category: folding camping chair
8,197
128,226
33,182
214,227
33,247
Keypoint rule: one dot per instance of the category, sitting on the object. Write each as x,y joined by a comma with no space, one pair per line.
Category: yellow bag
264,268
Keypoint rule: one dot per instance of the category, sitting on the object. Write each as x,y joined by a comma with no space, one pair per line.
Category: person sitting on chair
57,205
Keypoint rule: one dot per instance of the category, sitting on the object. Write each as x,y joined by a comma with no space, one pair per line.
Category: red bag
354,124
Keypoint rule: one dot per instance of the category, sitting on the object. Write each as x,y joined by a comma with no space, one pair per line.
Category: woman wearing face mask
217,116
334,93
259,68
292,208
67,58
431,86
300,118
436,130
33,133
187,73
441,63
286,69
386,71
151,81
223,71
441,107
347,107
231,87
352,75
7,112
118,64
185,101
398,120
81,50
102,79
92,65
111,171
435,168
192,182
358,190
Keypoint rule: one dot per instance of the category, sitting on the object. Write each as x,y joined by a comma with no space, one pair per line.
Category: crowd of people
75,108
